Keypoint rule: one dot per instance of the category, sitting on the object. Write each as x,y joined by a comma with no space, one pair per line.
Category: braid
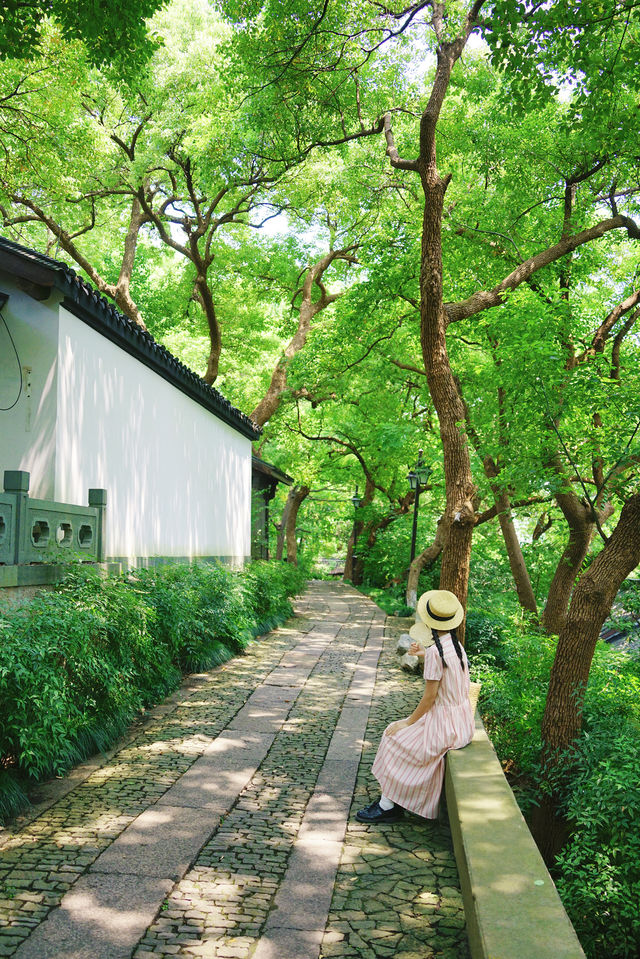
456,645
436,640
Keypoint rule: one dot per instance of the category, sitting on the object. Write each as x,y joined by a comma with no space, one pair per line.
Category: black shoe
375,813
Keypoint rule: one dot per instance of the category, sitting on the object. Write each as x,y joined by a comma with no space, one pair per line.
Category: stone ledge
512,907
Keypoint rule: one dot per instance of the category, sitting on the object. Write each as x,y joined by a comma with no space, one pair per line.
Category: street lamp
356,500
418,478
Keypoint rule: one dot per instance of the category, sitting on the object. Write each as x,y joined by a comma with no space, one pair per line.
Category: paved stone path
223,825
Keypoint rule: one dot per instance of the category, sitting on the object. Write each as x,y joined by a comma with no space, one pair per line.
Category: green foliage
113,33
515,680
391,599
199,616
485,641
599,869
267,588
77,663
598,872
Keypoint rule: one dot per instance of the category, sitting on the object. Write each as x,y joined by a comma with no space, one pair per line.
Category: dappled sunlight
86,910
178,497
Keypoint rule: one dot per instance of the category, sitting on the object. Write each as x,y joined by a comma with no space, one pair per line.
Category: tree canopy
378,228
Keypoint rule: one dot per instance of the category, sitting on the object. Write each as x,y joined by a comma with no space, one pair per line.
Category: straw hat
421,634
440,609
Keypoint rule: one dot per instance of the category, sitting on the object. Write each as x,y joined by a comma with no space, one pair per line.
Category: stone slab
325,818
295,676
337,777
211,785
266,709
103,917
348,736
285,943
304,897
512,906
161,842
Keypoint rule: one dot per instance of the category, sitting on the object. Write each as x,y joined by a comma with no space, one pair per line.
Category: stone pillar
16,482
98,499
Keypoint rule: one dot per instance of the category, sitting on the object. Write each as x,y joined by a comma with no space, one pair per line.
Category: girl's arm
427,701
425,704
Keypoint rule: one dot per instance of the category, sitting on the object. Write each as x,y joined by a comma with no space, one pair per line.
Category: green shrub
267,588
598,872
199,612
77,663
485,640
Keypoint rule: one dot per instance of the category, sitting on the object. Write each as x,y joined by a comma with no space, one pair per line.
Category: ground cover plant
79,662
598,871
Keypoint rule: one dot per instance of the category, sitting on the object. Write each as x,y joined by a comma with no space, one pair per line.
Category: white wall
27,432
178,479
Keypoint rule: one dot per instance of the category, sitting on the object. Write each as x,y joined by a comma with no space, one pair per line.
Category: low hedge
78,662
598,871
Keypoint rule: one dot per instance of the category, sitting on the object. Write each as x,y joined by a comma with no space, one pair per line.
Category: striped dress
410,764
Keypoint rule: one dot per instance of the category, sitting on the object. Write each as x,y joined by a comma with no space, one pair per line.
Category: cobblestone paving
40,862
396,891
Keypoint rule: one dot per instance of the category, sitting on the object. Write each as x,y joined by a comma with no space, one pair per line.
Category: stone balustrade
35,531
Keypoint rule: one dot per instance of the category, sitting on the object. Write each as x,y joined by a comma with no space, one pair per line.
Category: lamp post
356,500
418,478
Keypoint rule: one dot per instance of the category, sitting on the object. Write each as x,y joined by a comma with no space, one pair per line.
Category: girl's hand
396,726
416,650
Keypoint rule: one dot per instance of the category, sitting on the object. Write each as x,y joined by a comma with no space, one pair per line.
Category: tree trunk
581,528
590,606
353,570
459,518
296,497
426,558
282,525
308,310
502,504
205,298
518,566
122,292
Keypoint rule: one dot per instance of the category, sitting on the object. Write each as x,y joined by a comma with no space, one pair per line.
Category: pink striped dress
410,764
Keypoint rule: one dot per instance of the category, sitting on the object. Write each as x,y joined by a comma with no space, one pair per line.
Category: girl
409,764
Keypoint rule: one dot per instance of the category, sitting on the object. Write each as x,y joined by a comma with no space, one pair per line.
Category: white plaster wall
178,479
27,432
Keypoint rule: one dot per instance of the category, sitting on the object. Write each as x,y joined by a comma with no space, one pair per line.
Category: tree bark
308,310
119,292
503,511
295,498
591,604
282,526
353,571
562,720
459,517
581,529
426,558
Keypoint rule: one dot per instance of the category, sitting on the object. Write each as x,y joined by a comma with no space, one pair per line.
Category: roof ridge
92,305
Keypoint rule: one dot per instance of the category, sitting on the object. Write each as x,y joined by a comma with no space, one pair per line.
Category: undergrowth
598,872
78,662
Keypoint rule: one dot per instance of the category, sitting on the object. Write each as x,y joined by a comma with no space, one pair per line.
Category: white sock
385,803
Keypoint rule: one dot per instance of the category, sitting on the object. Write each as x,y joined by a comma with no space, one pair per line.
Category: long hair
456,646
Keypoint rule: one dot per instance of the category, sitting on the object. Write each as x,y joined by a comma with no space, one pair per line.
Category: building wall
178,479
27,432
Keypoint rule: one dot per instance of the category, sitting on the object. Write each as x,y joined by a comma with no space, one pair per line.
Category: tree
112,33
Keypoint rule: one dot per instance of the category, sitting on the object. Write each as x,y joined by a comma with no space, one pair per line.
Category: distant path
223,827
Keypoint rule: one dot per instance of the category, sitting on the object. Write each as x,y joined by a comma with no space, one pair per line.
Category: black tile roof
42,274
